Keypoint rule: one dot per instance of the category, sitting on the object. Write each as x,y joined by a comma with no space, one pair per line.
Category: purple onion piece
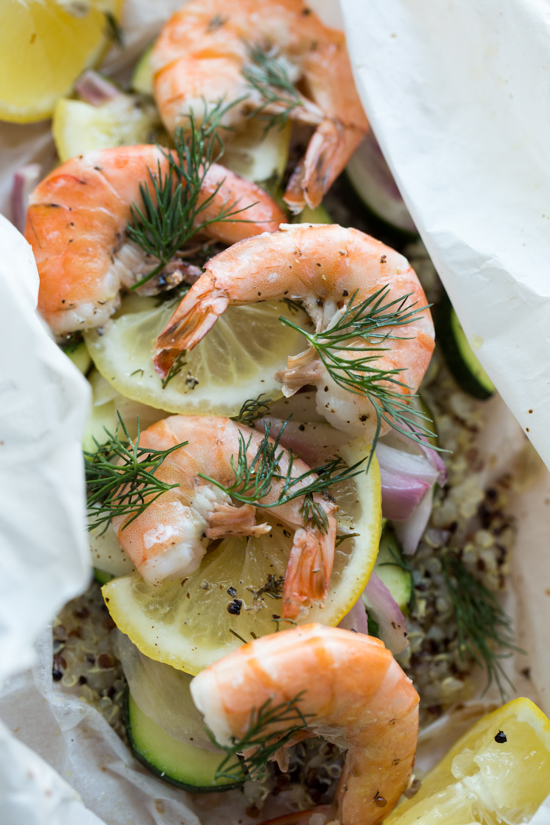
432,455
410,532
92,88
24,181
405,463
356,619
401,495
391,622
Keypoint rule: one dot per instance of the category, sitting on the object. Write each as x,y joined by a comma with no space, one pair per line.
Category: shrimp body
356,693
170,537
324,267
204,48
76,225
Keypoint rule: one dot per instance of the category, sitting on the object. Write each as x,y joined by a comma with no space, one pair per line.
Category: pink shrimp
206,53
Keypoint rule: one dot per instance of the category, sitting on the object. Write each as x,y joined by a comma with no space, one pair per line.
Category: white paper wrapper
451,100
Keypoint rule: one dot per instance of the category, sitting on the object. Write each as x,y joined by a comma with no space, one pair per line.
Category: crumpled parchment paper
458,104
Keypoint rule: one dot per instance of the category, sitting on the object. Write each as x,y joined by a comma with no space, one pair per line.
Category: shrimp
351,691
169,538
76,225
324,267
206,50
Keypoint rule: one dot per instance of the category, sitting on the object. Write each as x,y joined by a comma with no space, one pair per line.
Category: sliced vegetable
142,79
459,355
308,215
356,619
176,762
80,357
370,176
393,570
392,628
101,576
95,89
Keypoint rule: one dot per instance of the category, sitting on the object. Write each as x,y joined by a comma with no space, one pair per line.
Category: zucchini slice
178,763
459,355
391,568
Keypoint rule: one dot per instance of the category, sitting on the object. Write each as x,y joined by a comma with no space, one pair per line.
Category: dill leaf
251,410
267,75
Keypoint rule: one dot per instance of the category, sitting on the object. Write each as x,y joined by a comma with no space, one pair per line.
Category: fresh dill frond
372,321
254,478
251,410
128,486
268,76
483,627
272,588
216,23
170,214
259,738
294,306
341,537
175,369
113,31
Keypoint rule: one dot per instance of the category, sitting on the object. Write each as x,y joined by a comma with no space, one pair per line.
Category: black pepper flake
82,680
231,591
501,737
234,607
57,675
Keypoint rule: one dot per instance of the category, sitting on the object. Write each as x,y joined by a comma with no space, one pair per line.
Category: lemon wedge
236,361
499,772
45,45
186,623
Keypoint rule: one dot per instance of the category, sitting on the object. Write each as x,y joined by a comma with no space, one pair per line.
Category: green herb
294,306
127,487
278,621
268,76
259,737
234,633
254,478
482,625
175,369
369,320
171,205
113,32
272,588
343,536
251,410
216,23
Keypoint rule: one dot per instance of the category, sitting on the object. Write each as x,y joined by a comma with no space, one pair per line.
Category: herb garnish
113,31
265,744
125,488
175,369
254,478
272,588
370,320
251,410
268,76
171,205
482,625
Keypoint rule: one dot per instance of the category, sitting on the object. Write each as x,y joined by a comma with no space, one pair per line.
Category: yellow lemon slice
499,772
235,362
232,598
44,46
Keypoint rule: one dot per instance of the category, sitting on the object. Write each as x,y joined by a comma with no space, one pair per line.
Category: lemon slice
125,120
235,362
45,45
187,623
499,772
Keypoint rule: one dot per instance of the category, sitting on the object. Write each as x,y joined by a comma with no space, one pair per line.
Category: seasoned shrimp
324,267
169,538
76,225
353,693
205,51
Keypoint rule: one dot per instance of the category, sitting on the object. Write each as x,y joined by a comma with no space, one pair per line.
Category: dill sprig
113,31
268,76
175,369
127,487
171,203
272,588
482,625
373,321
251,410
254,478
258,737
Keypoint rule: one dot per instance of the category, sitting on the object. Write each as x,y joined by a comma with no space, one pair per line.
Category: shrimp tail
195,316
309,568
328,152
302,369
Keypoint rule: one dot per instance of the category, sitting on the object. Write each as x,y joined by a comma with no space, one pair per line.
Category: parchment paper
471,161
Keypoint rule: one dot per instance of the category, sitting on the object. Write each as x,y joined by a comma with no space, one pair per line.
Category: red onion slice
24,181
92,88
314,442
391,622
356,619
415,465
411,531
401,495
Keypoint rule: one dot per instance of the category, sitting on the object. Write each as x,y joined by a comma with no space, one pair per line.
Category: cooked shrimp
204,49
324,267
76,225
169,538
354,694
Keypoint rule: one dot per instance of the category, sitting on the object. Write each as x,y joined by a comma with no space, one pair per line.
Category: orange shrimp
351,691
76,225
205,51
170,537
324,267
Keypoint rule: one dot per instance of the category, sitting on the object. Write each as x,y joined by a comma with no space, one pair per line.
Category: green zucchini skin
178,763
101,576
459,356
